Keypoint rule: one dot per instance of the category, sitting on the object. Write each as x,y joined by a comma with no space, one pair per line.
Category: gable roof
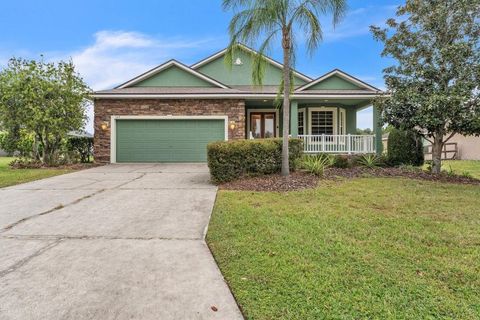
167,65
275,63
345,76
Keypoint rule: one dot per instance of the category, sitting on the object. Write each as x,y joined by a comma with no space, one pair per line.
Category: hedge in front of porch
230,160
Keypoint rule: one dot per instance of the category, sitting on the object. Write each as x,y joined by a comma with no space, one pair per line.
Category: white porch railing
346,144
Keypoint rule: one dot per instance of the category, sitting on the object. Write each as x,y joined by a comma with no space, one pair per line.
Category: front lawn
9,177
367,248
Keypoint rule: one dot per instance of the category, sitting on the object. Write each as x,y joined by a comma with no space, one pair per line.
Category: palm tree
269,20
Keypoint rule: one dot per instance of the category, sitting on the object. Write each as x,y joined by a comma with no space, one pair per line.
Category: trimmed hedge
229,160
405,148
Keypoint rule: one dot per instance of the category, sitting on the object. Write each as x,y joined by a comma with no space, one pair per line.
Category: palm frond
259,60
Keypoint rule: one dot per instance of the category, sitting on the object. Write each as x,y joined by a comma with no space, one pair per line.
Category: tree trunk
286,102
437,148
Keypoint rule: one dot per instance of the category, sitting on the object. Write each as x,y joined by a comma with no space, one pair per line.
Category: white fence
346,144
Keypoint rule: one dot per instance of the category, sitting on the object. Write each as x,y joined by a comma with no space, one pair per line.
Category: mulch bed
301,180
295,181
73,166
413,173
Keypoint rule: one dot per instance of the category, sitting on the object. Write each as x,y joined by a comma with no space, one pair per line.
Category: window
322,122
301,122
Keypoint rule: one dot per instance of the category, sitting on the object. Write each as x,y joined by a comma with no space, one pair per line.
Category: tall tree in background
45,99
270,20
434,87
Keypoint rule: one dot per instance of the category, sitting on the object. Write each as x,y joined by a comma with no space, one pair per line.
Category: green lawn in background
9,177
370,248
461,166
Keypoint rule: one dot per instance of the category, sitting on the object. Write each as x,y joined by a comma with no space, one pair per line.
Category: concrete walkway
113,242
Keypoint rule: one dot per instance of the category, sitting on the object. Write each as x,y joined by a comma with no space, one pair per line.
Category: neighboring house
80,134
458,147
171,112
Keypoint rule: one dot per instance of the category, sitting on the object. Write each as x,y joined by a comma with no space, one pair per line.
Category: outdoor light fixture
104,126
232,125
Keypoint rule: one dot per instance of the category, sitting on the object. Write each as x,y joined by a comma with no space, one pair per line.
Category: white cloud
117,56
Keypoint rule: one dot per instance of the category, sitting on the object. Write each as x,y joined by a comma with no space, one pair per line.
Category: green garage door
166,140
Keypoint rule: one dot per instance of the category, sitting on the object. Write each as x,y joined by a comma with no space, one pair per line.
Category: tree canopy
46,99
433,88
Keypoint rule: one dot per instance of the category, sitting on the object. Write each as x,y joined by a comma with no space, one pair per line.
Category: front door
263,125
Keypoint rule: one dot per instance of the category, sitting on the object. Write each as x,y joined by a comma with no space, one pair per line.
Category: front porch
325,126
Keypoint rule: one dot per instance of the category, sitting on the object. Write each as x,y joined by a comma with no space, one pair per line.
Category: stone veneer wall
105,108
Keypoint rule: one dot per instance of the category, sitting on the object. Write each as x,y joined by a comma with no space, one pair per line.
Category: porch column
377,129
294,119
351,120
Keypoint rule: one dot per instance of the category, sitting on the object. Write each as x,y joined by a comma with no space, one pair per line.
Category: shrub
405,147
21,144
81,147
25,163
229,160
316,164
370,161
340,161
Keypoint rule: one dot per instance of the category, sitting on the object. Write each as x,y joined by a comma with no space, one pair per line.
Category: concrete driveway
113,242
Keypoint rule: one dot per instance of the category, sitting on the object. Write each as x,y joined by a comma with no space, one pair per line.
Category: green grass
371,248
9,177
461,166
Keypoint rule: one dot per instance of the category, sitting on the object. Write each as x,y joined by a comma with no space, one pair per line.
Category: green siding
334,83
242,75
173,77
166,140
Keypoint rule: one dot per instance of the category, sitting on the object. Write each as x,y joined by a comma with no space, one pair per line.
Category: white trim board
167,65
113,127
304,115
244,47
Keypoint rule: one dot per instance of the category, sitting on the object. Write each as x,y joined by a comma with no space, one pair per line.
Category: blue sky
110,41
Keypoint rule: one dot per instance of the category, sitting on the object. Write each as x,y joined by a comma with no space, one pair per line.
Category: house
170,113
459,147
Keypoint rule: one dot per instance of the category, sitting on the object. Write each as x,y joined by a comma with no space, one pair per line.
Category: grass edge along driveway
10,177
364,248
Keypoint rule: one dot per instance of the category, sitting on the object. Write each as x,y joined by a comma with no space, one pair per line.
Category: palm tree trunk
286,103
